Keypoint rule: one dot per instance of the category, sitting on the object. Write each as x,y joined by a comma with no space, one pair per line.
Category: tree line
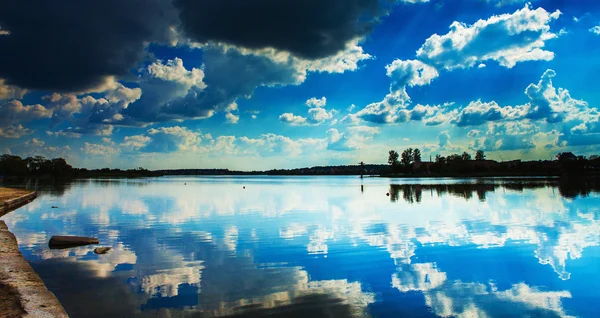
410,162
34,166
410,156
58,168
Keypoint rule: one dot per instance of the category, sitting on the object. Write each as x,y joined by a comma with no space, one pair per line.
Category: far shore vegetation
408,163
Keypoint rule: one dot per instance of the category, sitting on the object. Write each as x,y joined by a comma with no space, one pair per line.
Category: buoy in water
388,194
244,187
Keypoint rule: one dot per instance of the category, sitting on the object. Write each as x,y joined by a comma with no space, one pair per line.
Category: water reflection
289,246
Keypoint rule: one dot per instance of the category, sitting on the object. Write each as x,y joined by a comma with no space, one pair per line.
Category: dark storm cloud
73,45
307,28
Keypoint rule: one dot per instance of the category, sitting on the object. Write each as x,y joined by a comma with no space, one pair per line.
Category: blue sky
261,84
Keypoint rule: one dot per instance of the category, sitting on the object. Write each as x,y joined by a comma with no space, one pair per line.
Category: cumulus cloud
91,114
9,91
478,112
14,132
511,135
99,149
231,115
37,147
63,133
444,140
135,142
164,140
595,30
507,39
317,114
275,145
14,112
546,102
314,102
352,139
403,74
292,119
232,118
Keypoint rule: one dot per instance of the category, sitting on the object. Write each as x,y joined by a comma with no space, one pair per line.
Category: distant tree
440,159
465,156
480,155
393,158
566,156
417,155
407,157
454,158
13,166
61,168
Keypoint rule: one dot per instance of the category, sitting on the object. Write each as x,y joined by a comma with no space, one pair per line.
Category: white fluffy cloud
317,114
595,30
170,139
507,39
98,149
316,102
478,113
392,109
63,133
353,138
292,119
231,113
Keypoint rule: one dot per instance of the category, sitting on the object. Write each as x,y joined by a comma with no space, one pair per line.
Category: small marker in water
244,187
388,194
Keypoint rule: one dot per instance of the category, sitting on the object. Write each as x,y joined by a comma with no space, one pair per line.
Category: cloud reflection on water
214,238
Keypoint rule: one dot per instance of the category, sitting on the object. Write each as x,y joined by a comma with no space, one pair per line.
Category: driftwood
57,242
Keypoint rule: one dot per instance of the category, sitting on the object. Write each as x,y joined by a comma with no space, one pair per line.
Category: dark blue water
318,247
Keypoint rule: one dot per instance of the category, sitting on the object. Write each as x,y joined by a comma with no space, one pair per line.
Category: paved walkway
22,291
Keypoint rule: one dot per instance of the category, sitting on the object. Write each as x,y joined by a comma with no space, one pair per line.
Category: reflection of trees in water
49,186
568,188
315,305
412,193
573,187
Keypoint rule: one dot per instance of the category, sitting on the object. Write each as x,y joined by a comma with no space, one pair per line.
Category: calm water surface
324,246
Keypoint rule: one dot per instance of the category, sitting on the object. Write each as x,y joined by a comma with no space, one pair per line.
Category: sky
268,84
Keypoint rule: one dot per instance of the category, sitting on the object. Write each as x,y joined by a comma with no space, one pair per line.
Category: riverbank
22,291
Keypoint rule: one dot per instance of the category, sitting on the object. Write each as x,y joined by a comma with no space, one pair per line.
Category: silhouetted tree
454,158
407,157
465,156
417,155
440,159
480,155
566,156
393,158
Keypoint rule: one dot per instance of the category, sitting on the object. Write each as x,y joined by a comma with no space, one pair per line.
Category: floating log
57,242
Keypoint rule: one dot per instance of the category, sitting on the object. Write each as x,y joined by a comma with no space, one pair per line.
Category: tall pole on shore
362,169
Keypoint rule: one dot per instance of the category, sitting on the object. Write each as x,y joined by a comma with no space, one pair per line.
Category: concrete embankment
22,291
14,198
